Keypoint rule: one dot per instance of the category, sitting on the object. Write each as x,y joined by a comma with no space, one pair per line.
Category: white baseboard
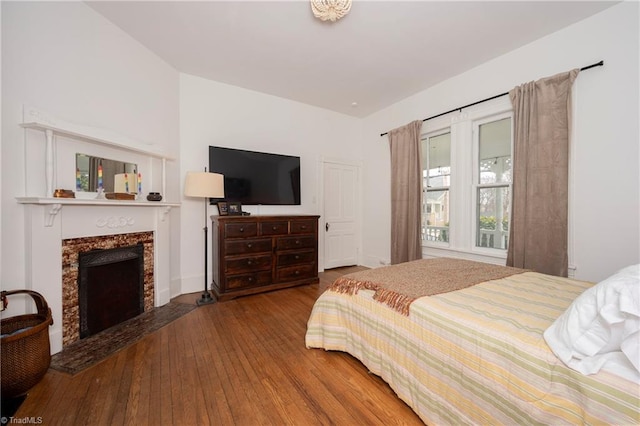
55,340
374,262
192,284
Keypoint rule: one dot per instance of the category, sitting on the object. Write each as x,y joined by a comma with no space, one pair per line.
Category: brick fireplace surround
71,248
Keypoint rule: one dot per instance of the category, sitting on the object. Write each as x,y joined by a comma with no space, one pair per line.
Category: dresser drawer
257,279
241,230
274,228
247,264
256,245
303,226
306,256
298,272
286,243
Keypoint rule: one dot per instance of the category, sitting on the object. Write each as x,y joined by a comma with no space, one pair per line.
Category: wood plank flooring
240,362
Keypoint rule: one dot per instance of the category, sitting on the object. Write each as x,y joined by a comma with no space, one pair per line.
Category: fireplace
57,229
117,301
110,287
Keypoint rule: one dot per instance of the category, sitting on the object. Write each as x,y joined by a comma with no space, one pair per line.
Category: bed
474,351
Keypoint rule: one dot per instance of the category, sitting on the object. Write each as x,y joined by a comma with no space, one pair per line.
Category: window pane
493,217
435,216
436,151
495,152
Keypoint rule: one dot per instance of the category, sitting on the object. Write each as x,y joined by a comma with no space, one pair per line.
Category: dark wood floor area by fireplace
241,362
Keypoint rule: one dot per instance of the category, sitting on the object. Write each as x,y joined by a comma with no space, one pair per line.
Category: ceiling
379,54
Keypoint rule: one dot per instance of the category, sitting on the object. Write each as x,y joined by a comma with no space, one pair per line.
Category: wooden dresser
254,254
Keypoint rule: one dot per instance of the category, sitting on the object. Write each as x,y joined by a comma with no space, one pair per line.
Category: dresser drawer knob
303,227
249,245
250,279
249,262
297,242
274,227
241,229
297,257
297,272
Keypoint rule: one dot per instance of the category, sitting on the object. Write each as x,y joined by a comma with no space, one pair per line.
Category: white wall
605,206
213,113
67,60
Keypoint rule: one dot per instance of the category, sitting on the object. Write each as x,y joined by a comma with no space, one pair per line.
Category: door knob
326,226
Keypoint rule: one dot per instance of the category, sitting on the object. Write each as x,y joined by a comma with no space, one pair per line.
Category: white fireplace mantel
50,220
54,205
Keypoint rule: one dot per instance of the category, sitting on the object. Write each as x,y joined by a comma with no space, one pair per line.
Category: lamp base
205,299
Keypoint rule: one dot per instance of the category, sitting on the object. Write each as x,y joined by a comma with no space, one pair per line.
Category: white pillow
601,325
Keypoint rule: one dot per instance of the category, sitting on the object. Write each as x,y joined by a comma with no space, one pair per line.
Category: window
436,178
467,173
493,183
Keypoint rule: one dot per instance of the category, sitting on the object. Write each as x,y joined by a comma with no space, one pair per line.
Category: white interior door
340,215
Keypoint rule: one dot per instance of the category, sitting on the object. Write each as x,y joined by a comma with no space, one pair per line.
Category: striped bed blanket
476,355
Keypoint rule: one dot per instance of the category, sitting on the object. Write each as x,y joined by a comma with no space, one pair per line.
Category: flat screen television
256,178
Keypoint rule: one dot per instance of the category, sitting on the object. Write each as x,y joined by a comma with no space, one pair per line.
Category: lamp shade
204,184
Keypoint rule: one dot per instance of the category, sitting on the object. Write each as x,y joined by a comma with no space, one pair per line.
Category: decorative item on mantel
100,183
126,182
64,193
154,196
119,196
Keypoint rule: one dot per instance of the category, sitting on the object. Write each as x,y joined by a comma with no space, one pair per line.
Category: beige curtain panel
539,220
406,193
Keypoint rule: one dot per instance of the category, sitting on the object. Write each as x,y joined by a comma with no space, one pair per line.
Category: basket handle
41,303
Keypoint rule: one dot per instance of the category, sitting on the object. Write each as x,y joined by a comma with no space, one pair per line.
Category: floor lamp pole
206,296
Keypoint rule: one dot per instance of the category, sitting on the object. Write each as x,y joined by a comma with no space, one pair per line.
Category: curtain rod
598,64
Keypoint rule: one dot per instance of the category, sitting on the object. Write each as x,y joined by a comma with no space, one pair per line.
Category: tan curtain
406,193
538,232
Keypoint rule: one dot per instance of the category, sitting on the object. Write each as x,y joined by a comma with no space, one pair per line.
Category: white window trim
423,137
462,195
476,184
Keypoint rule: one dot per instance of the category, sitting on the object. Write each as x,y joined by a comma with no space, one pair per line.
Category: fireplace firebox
110,287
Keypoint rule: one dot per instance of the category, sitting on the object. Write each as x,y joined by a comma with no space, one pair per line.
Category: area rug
84,353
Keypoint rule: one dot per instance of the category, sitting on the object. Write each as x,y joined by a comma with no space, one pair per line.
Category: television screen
254,178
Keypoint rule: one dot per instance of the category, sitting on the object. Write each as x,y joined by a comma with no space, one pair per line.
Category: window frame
424,139
476,185
462,193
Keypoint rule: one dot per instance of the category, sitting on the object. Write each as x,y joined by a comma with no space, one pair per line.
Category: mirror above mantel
87,172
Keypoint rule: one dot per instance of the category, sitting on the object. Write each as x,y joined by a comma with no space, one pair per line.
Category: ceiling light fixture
330,10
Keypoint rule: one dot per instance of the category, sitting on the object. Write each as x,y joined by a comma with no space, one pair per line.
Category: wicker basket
24,347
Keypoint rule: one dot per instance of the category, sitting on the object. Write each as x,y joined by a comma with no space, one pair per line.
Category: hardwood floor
240,362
